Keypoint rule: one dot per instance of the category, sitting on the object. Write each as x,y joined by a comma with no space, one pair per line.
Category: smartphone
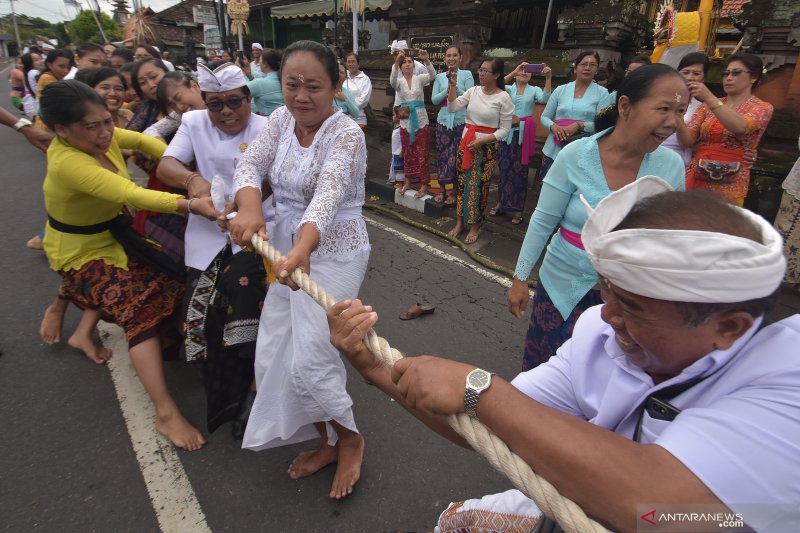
534,68
661,410
411,52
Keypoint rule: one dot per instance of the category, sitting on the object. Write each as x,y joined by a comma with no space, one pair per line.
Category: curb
388,193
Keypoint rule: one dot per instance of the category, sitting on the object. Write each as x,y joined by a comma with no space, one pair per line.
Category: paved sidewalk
499,242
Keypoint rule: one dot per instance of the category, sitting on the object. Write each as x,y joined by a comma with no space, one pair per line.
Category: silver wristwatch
477,382
21,123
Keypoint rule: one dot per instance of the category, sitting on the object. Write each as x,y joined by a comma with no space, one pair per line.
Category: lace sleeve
345,167
394,76
164,128
254,166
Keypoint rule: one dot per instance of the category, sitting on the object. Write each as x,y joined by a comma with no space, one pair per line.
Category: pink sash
562,122
571,237
528,139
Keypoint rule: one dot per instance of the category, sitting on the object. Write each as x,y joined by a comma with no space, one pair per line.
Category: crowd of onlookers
272,144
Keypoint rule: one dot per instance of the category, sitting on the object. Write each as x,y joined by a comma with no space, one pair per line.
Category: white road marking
502,280
170,490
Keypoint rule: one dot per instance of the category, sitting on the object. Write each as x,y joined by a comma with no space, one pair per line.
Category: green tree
30,28
83,29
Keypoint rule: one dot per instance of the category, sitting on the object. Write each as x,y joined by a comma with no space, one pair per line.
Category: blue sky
57,11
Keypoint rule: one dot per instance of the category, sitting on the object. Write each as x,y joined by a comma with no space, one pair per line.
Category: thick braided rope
569,516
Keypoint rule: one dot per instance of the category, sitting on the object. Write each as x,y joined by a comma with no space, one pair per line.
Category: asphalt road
67,461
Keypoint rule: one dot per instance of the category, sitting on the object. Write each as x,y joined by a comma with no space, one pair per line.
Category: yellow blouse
44,80
79,191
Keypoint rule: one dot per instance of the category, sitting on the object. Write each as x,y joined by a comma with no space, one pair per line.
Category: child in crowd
396,172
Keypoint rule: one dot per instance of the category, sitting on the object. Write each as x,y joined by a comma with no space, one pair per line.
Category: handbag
134,244
144,249
718,171
574,137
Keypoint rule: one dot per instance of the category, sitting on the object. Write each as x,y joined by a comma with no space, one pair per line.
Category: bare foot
439,198
35,243
402,190
348,471
95,353
455,232
421,192
178,430
308,463
52,322
472,236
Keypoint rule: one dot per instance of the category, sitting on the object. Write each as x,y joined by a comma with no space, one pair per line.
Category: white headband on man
225,77
398,46
680,265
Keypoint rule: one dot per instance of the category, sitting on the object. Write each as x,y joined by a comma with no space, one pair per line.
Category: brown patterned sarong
138,298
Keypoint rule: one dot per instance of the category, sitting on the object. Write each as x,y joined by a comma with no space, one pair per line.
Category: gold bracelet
717,105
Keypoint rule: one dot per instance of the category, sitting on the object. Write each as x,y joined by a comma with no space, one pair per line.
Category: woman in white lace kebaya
314,158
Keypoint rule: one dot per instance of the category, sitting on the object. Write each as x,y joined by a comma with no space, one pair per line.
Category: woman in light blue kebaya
572,108
650,105
518,147
449,126
266,89
343,98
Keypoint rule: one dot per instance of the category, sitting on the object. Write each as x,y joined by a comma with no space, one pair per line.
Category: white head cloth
680,265
257,46
398,46
225,77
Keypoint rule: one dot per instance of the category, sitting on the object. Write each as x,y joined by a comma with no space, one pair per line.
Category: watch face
478,380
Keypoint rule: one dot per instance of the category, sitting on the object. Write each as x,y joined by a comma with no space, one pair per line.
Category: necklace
299,134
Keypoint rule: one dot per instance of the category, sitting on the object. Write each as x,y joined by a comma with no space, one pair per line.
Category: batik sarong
447,141
416,160
473,184
548,330
513,177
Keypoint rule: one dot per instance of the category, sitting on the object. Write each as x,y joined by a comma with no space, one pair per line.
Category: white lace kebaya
317,182
300,377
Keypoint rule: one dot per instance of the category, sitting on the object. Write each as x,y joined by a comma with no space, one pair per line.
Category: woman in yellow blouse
56,66
86,186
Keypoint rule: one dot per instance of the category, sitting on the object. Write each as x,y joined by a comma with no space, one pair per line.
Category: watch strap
471,397
21,123
472,394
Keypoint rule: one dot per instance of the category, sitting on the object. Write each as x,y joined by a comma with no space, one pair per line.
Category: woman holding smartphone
449,126
520,144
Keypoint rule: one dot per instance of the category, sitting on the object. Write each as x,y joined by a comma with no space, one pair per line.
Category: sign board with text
204,15
211,37
436,46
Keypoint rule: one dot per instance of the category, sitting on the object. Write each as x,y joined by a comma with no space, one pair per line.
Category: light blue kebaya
523,106
267,93
464,81
566,272
563,105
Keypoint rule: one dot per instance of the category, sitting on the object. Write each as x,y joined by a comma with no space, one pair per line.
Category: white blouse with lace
321,185
416,91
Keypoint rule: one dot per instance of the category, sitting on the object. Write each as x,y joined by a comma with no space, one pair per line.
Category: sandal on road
517,220
450,200
417,310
